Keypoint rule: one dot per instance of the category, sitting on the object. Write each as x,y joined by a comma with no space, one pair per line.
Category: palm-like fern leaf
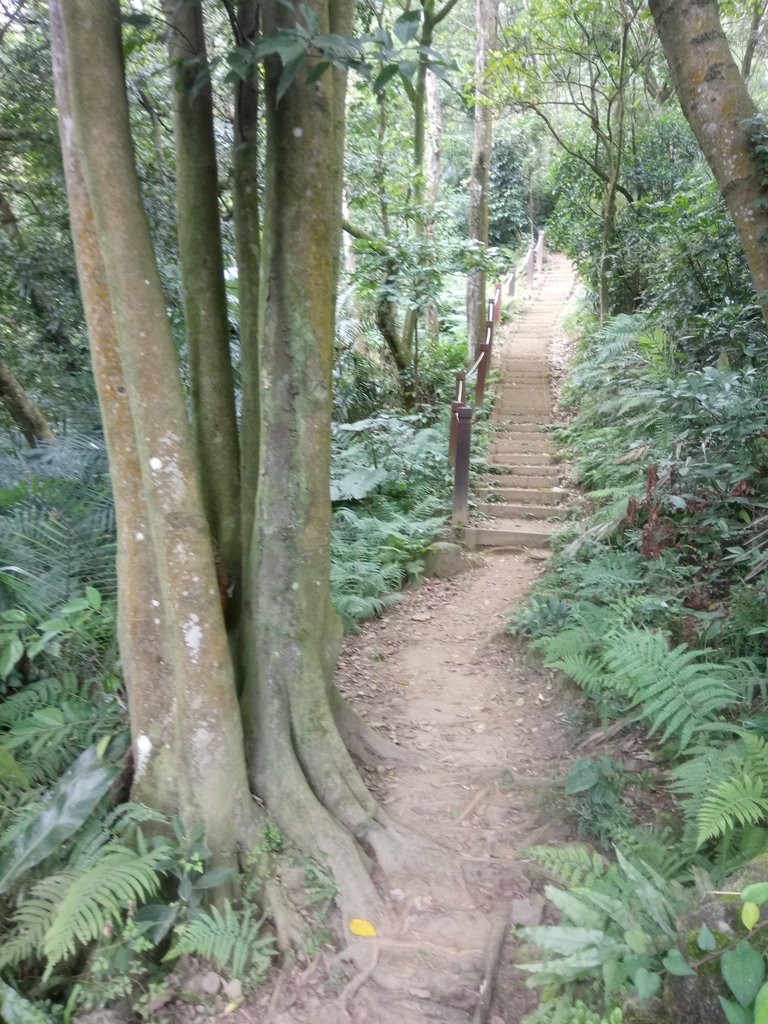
230,940
674,691
735,802
78,911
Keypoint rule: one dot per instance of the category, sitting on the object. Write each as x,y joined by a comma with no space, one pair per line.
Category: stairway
520,500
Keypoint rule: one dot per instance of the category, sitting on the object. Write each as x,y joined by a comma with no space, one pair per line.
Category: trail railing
460,437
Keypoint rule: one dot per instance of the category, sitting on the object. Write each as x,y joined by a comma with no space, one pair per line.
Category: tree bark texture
485,18
196,689
202,278
22,409
298,761
717,104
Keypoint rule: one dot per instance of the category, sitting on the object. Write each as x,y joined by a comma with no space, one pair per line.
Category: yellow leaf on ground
359,926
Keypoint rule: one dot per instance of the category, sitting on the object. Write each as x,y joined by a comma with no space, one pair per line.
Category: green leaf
563,940
11,771
16,615
383,77
9,656
647,983
736,1014
407,25
743,969
706,940
68,804
637,940
676,964
750,915
93,597
15,1009
582,775
761,1006
288,74
755,893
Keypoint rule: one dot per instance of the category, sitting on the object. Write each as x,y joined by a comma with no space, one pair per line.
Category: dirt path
440,677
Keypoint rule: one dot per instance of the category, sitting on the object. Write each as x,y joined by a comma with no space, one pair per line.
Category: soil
486,737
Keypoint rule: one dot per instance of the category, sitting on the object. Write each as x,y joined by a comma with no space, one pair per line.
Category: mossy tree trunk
485,23
195,764
202,279
718,107
191,736
22,410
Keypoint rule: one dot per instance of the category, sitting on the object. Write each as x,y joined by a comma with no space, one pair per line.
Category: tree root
364,742
358,981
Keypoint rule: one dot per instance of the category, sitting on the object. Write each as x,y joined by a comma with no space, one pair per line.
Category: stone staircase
520,500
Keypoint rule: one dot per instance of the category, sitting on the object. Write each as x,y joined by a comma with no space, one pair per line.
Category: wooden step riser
521,448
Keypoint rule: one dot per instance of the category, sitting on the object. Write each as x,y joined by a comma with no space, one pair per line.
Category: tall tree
485,24
721,113
196,748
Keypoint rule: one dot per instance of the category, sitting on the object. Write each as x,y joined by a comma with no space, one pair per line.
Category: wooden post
511,284
530,267
461,475
456,404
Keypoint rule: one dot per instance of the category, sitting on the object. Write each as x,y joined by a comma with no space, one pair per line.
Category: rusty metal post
456,404
530,267
511,284
482,371
461,475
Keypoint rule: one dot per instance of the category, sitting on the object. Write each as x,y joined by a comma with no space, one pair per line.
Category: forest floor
490,733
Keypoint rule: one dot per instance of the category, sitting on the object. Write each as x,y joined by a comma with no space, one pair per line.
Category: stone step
505,510
519,444
524,495
526,477
517,428
508,535
512,462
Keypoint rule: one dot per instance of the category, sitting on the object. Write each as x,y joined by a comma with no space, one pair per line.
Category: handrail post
511,284
456,404
497,303
482,370
540,251
530,267
461,475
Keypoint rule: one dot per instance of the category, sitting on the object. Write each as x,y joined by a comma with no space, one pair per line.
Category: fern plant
231,940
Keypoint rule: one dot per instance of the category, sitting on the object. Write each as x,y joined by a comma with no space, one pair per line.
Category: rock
444,560
210,983
527,911
104,1017
233,989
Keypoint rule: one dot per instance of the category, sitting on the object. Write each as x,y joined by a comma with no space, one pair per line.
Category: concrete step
505,510
517,428
533,480
512,462
519,443
524,495
508,535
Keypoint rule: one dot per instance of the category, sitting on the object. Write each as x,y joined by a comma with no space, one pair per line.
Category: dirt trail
439,675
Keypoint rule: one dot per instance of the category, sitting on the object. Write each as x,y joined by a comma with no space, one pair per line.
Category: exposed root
364,742
358,981
290,927
476,800
492,959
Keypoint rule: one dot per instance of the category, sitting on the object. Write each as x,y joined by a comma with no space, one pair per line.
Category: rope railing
460,437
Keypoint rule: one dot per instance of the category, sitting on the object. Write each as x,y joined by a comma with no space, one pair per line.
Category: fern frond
573,865
738,801
673,691
229,939
120,878
585,670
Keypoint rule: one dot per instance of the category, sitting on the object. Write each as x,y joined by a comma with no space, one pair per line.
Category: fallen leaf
364,929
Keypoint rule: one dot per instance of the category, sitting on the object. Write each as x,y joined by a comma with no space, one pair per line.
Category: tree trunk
247,221
298,761
434,145
485,15
203,761
717,104
202,279
22,409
